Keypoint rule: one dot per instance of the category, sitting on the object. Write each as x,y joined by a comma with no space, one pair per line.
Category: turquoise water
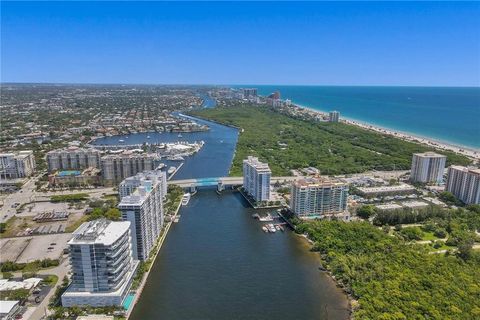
128,301
445,114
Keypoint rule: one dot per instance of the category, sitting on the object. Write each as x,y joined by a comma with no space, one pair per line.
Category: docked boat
277,227
171,170
266,218
271,228
186,198
265,229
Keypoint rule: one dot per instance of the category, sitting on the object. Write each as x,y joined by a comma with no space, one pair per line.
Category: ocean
446,114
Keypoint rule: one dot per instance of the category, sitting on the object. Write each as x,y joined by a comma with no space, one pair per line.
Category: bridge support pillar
220,186
193,189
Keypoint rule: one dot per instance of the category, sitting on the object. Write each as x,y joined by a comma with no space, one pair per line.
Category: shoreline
139,290
431,142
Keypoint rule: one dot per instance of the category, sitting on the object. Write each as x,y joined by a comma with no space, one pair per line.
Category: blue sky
334,43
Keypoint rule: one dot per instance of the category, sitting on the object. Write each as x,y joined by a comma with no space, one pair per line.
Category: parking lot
27,249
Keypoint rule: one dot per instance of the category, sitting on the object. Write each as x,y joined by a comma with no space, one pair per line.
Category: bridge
221,182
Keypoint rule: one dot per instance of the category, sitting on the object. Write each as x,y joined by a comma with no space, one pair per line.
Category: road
29,194
227,180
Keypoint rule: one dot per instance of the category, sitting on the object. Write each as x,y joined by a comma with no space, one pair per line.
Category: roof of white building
29,283
7,306
430,154
100,231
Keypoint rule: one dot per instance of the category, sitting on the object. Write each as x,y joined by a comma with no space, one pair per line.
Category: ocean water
447,114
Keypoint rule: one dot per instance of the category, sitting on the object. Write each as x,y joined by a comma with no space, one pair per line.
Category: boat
186,198
265,229
180,135
255,216
277,227
268,217
148,137
121,140
271,228
171,170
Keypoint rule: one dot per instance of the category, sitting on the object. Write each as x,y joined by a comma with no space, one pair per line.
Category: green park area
335,148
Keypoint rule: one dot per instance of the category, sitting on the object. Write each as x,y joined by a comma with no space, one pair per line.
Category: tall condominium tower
102,264
17,165
143,208
315,197
116,167
428,167
73,158
464,183
130,184
333,116
256,179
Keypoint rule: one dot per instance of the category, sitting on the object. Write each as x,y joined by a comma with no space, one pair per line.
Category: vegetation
33,266
394,279
18,294
111,214
174,196
335,148
366,211
450,199
75,197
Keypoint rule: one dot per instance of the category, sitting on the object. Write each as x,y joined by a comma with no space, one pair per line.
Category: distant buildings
17,165
102,264
428,167
256,179
316,198
249,93
464,183
333,116
275,95
116,167
141,205
73,158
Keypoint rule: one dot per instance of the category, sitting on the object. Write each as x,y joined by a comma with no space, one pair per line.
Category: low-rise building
102,263
399,189
8,309
89,176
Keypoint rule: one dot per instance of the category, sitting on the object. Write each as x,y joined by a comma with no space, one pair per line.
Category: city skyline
408,44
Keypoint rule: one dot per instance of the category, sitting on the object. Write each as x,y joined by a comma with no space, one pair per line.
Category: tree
366,211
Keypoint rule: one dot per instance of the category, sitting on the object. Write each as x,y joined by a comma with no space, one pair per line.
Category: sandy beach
469,152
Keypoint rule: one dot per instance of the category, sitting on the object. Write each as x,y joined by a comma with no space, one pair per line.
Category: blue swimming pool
128,301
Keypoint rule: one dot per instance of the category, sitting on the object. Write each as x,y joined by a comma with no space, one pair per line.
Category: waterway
217,263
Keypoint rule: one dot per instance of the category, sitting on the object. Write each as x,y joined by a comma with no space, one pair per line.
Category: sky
308,43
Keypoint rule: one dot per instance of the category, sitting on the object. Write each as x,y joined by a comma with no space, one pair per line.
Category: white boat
148,137
265,229
277,227
180,135
171,170
271,228
268,217
121,140
186,198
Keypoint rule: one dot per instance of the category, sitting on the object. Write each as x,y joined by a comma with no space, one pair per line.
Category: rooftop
100,231
430,154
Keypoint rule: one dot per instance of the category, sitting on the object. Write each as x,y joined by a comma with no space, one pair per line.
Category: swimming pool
128,301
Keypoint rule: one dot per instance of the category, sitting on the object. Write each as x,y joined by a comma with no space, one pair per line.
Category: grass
334,148
50,280
429,236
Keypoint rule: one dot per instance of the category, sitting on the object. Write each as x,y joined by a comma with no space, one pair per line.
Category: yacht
180,135
186,199
171,170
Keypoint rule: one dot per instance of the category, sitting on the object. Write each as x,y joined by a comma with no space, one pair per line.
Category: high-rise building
130,184
428,167
317,198
102,264
116,167
73,158
275,95
333,116
256,179
17,165
464,183
143,208
249,93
